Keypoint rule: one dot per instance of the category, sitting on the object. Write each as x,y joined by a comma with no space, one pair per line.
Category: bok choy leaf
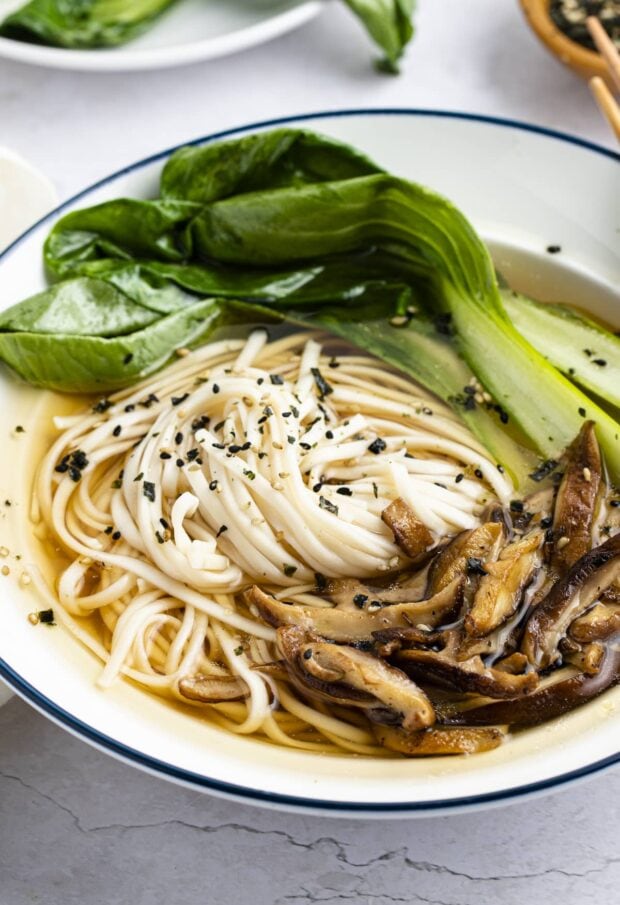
574,343
80,24
294,222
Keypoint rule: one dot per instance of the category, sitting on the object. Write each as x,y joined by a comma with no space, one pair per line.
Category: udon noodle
246,461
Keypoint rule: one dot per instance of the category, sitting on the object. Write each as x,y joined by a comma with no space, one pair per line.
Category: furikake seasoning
570,17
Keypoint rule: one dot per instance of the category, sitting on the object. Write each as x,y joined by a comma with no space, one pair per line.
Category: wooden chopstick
603,96
608,106
605,47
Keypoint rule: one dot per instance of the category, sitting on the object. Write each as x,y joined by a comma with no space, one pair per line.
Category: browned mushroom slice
476,544
515,664
587,658
561,692
576,502
403,588
569,598
213,689
349,626
439,742
598,624
410,534
390,640
501,589
346,676
466,675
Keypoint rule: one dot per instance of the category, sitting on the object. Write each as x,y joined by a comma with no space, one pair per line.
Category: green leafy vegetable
303,226
92,363
80,24
389,23
577,345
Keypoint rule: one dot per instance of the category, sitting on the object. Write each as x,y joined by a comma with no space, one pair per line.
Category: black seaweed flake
46,617
149,401
216,388
322,385
165,455
202,422
158,537
459,478
289,571
148,489
250,475
177,400
102,406
117,431
193,454
344,491
443,324
375,491
276,379
178,438
377,446
544,470
582,412
290,439
359,600
328,505
475,567
554,249
321,581
221,530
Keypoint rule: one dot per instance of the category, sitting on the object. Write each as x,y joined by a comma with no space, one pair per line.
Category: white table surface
78,827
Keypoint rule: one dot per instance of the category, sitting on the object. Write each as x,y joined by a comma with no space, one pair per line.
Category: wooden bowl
586,63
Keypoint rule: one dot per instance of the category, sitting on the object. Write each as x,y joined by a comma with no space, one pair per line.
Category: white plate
194,30
524,188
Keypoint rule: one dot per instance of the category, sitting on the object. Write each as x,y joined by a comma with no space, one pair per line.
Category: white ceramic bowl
524,189
189,33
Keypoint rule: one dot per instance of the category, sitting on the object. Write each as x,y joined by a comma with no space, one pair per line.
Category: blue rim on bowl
240,792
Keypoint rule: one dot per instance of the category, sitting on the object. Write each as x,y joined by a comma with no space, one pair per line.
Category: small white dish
191,32
524,188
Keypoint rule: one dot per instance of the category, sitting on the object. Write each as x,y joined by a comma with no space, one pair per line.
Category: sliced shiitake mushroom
439,742
465,675
405,587
501,589
410,534
569,598
477,544
562,691
576,502
213,689
598,624
346,676
587,658
348,626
